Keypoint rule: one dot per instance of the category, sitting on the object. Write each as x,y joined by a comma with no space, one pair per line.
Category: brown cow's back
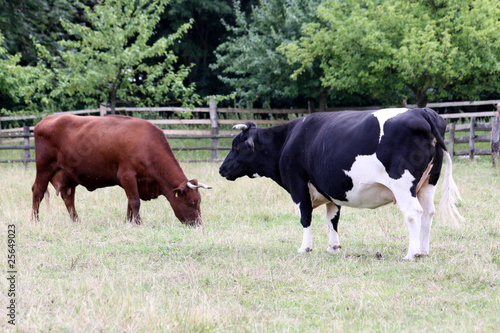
91,149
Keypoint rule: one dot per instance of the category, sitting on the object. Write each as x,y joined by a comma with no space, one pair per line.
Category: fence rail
211,128
26,147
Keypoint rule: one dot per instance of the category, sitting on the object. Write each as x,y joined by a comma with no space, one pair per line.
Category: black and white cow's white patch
362,159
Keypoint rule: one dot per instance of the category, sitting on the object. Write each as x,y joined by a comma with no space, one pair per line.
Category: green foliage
111,59
14,78
201,40
8,66
249,59
59,55
22,20
432,49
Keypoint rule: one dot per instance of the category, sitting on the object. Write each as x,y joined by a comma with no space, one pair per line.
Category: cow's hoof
305,250
335,249
413,256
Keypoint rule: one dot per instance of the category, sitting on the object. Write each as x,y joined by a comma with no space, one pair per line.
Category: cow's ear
250,124
251,144
179,191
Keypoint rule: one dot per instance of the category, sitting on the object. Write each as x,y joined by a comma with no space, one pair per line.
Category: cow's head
241,160
186,202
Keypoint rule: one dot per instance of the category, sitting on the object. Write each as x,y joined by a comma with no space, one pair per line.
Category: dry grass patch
241,272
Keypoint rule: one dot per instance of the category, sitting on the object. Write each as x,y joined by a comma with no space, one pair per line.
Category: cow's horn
193,186
204,186
242,127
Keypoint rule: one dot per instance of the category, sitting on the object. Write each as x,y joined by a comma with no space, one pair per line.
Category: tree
15,79
22,20
397,48
250,62
110,59
200,41
8,82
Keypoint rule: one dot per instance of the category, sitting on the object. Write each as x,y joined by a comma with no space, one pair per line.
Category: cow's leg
426,199
39,188
130,214
305,207
332,219
412,212
68,195
128,181
306,245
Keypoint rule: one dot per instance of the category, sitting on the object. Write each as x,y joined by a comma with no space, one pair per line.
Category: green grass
240,271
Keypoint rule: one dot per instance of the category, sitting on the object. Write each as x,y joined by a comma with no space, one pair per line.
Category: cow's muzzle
228,177
226,173
193,223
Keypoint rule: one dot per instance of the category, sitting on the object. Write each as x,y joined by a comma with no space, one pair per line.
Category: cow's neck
271,144
170,174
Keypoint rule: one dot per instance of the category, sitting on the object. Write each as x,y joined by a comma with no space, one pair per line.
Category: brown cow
105,151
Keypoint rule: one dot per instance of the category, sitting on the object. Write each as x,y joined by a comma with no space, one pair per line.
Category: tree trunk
322,100
422,98
114,89
310,106
113,101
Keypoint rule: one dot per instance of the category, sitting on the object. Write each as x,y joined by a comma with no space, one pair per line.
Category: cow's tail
451,195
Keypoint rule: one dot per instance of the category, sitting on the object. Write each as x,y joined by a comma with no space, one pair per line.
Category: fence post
102,110
215,128
451,145
310,107
495,140
472,137
27,152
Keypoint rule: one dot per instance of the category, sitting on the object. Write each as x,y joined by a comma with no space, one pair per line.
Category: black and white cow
362,159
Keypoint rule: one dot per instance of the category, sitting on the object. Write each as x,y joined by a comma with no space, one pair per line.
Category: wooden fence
26,134
215,124
471,128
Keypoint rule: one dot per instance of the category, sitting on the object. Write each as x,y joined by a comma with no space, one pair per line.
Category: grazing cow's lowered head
186,202
362,159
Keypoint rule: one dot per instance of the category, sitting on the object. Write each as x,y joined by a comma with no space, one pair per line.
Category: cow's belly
92,182
367,196
362,196
89,178
371,186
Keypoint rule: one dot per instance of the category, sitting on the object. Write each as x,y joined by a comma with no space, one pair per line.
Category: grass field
241,271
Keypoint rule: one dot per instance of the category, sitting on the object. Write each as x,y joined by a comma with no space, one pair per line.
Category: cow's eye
239,147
